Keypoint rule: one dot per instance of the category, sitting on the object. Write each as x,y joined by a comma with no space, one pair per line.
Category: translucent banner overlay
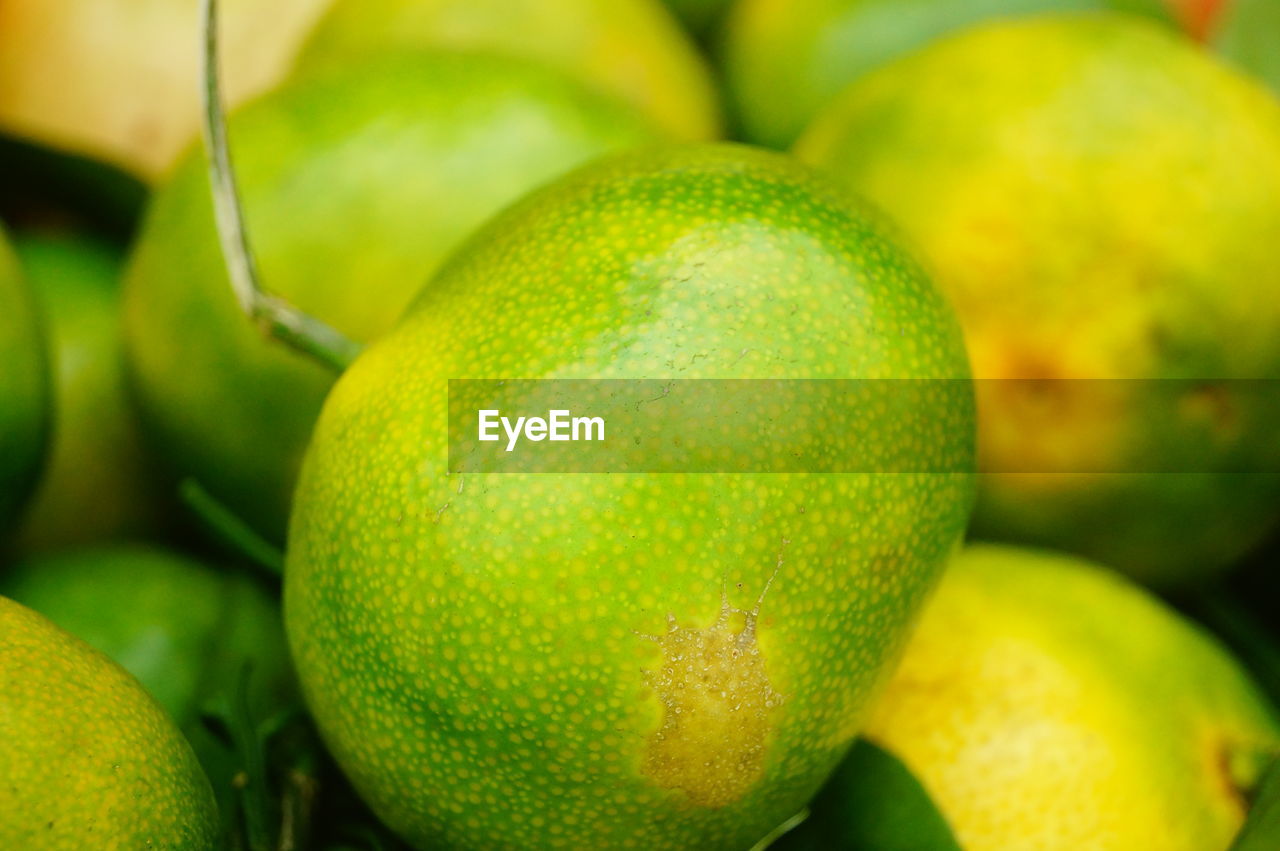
1038,426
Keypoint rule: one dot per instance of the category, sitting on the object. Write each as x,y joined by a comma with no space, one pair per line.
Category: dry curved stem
276,316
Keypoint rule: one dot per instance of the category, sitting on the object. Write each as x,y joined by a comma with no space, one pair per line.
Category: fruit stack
936,506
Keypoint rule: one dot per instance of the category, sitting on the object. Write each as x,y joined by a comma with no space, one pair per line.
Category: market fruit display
679,425
95,446
357,184
566,660
786,60
1038,706
24,390
87,758
992,149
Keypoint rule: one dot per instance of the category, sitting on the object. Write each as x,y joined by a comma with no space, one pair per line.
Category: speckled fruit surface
24,390
1045,702
87,758
630,49
356,185
1098,198
785,60
648,661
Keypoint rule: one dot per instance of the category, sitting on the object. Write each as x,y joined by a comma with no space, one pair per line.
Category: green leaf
772,838
872,803
231,529
1261,832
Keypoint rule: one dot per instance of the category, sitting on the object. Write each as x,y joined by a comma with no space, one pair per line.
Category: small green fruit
1045,702
24,390
567,660
87,757
1094,195
97,486
786,60
356,185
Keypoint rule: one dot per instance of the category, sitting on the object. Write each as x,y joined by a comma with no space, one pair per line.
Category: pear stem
277,317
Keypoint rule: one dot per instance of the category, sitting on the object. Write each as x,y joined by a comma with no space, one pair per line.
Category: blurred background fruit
1199,17
356,184
1045,702
96,485
1096,196
631,49
785,60
184,629
118,80
24,390
87,757
1247,32
506,616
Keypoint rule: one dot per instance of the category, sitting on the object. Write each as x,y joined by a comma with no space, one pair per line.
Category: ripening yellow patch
717,703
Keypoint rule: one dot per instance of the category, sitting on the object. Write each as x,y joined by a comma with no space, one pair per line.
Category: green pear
658,660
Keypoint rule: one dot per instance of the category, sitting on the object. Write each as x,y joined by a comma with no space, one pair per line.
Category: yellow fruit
87,759
1047,703
118,80
1100,199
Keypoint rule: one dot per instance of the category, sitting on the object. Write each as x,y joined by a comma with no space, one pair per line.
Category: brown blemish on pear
717,706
